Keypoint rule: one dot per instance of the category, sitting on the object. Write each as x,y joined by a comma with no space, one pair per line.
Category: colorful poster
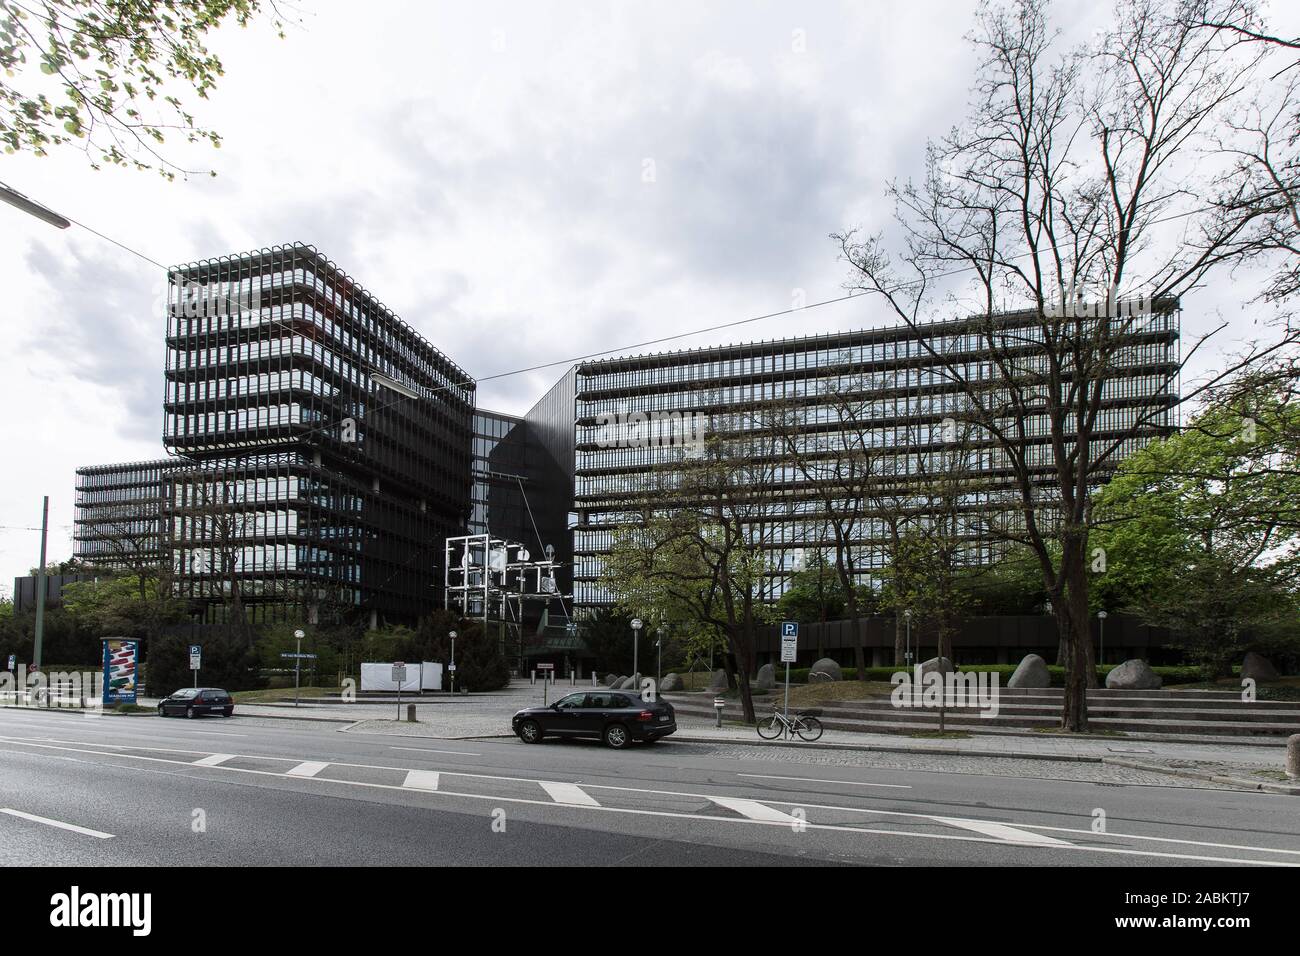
121,663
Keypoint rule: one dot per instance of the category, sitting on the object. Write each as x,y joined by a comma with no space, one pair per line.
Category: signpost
789,654
298,635
548,671
399,675
196,658
13,661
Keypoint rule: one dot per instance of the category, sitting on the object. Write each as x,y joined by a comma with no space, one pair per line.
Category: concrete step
1242,712
1143,722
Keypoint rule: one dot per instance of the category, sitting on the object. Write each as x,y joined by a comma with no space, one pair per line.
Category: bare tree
1091,169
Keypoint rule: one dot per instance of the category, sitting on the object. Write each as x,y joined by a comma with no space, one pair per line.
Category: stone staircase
1161,712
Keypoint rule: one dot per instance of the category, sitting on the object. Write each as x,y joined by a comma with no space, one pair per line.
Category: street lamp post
907,655
636,633
452,635
298,635
659,664
1101,651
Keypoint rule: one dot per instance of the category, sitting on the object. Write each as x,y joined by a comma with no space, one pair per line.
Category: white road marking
847,783
426,750
1001,831
214,733
211,760
421,780
86,831
308,768
755,810
569,793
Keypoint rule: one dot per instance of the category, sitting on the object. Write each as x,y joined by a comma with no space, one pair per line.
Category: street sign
291,655
399,672
546,667
196,656
452,668
789,641
13,662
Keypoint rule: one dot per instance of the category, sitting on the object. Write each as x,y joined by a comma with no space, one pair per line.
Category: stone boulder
1133,675
1032,672
614,680
940,664
1258,667
828,667
719,680
631,683
672,682
766,677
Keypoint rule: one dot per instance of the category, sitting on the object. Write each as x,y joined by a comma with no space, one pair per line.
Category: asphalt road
117,791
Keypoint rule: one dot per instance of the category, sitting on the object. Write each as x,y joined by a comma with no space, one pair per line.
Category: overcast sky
482,169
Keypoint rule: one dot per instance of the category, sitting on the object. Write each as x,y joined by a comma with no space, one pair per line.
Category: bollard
1293,756
718,704
410,713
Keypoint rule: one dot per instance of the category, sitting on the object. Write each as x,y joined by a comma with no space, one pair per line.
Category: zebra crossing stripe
569,793
421,780
754,810
308,768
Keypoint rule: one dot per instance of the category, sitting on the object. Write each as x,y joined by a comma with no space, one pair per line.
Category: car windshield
187,692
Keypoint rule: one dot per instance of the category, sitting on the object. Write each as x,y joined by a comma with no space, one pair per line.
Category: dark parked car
615,717
196,701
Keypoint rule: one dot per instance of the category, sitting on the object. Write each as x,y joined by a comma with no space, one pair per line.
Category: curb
885,748
1202,739
1266,786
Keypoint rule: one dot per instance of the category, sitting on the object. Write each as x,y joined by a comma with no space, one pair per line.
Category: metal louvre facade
330,442
118,520
903,397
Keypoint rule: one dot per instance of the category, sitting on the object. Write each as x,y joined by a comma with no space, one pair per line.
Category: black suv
615,717
196,701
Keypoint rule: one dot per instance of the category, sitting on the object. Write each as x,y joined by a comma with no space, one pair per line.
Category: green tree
103,74
1200,533
122,605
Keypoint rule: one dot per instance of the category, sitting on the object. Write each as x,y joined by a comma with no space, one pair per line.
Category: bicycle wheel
809,728
769,728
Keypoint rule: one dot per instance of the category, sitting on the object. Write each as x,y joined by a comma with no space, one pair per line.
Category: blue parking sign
789,628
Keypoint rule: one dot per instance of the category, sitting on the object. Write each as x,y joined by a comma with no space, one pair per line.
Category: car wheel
530,732
189,712
616,736
161,711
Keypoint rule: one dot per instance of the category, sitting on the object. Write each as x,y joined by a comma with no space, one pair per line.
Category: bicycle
804,723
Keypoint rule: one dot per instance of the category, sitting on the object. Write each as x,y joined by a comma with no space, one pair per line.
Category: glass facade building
902,396
501,472
118,518
330,443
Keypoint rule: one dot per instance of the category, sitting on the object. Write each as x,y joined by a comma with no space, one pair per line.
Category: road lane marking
308,768
755,810
569,793
211,733
426,750
1001,831
421,780
86,831
211,760
847,783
